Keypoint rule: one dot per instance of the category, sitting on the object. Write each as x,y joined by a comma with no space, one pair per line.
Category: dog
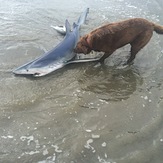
136,31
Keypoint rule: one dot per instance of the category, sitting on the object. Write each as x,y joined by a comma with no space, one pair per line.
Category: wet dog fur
136,31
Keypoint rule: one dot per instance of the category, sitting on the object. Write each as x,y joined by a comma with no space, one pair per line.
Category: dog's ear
85,41
85,49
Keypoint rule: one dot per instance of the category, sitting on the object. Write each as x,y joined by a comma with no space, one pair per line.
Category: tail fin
83,17
158,28
68,27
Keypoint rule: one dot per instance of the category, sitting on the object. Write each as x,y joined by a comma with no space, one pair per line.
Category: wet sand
83,113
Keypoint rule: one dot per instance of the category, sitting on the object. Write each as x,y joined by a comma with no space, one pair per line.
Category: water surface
83,113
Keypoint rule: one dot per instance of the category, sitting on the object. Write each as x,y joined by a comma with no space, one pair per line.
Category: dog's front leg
106,55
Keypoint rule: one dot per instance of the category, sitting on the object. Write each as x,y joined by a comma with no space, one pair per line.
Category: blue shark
59,56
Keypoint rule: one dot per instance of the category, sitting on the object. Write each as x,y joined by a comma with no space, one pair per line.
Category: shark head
38,72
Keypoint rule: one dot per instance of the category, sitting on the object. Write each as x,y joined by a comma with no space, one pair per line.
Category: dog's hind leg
140,41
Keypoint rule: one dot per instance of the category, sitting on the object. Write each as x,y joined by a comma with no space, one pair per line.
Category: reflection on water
100,81
83,113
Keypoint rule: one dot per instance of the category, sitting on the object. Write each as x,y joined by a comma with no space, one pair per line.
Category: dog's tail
158,28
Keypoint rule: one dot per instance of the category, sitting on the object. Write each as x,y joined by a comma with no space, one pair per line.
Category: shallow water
83,113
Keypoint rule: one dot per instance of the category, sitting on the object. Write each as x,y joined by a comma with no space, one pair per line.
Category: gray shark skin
62,29
59,56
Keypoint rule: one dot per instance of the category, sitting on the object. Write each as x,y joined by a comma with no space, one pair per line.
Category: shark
60,55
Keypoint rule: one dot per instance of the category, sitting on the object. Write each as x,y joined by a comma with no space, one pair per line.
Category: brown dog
137,32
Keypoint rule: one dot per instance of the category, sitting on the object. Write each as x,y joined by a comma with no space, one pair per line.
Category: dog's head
83,46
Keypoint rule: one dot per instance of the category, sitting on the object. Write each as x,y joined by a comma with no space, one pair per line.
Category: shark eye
27,70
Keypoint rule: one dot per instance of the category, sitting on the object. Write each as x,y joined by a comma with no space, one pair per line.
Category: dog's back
116,35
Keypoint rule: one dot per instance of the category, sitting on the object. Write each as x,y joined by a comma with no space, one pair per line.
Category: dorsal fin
68,27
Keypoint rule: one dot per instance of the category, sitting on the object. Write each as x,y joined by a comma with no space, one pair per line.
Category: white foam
45,152
29,138
95,136
7,137
88,146
57,149
103,144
